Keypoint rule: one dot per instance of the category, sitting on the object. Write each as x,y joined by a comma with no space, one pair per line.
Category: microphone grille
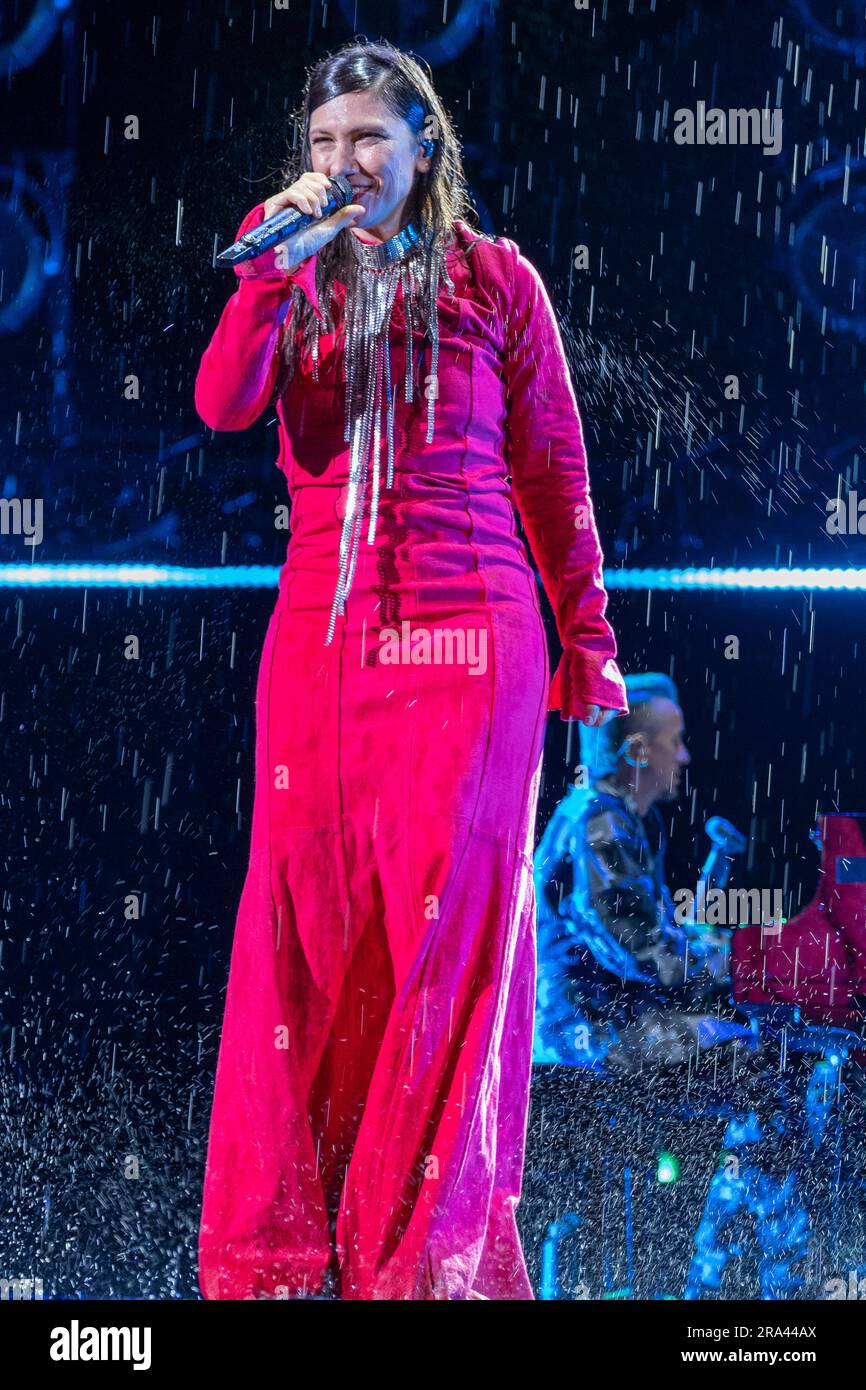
343,190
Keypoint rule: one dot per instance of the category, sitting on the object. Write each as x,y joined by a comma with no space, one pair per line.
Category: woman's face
357,136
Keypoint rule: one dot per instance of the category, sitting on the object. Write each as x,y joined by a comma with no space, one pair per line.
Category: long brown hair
439,195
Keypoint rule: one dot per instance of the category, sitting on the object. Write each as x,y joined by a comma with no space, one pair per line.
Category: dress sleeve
239,367
547,460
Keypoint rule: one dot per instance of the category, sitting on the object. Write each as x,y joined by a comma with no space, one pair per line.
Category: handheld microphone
284,225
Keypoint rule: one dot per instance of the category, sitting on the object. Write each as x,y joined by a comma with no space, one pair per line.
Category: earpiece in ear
622,752
635,762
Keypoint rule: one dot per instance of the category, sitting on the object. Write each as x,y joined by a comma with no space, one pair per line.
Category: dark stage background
123,777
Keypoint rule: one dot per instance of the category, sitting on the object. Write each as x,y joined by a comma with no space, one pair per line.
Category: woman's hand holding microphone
309,194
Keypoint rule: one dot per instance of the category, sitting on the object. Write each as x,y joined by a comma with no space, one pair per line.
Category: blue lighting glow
769,578
266,577
140,576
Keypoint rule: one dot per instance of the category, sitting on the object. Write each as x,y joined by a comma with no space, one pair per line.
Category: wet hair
439,195
599,747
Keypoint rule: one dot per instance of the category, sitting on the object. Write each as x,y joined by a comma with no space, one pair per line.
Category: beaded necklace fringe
380,267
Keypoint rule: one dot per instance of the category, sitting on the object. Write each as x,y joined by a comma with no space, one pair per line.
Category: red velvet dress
373,1077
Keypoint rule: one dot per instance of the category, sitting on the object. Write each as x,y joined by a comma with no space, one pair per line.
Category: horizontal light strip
141,576
841,579
266,577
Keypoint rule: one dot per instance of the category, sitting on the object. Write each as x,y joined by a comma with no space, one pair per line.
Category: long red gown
372,1084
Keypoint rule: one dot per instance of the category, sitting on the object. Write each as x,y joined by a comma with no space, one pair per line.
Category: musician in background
621,985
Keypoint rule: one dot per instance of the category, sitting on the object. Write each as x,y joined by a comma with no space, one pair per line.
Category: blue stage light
828,210
140,576
416,19
23,248
768,578
23,47
266,576
849,34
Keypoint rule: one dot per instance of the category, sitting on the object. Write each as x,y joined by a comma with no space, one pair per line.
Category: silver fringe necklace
380,267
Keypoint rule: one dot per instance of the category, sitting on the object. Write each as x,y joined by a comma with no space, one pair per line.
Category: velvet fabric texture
372,1084
817,959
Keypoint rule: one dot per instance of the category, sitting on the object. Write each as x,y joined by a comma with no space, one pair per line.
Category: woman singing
367,1133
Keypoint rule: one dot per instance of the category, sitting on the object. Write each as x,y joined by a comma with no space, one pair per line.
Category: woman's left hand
597,714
